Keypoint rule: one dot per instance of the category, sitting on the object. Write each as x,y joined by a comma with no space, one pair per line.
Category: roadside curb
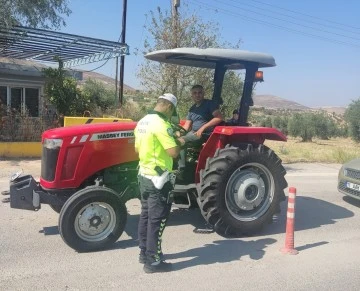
20,149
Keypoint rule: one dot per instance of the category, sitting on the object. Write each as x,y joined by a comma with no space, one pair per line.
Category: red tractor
88,172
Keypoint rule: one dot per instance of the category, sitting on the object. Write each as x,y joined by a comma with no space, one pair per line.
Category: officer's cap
171,98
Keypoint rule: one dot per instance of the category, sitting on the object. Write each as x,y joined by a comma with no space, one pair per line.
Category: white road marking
311,174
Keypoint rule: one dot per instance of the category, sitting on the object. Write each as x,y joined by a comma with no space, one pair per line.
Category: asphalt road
33,255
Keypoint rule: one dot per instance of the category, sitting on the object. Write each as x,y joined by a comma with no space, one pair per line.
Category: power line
292,17
141,39
287,21
307,15
244,17
103,64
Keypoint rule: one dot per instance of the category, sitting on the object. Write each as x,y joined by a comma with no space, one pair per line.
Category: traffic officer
157,146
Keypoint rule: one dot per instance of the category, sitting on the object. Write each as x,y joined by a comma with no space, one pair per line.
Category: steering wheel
177,127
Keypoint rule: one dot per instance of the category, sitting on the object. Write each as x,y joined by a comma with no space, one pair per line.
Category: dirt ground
29,166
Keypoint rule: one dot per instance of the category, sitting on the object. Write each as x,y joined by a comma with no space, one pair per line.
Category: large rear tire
92,219
241,189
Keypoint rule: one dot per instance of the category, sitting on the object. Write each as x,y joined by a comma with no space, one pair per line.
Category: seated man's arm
217,118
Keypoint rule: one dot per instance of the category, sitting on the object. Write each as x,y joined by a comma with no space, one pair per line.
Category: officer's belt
148,176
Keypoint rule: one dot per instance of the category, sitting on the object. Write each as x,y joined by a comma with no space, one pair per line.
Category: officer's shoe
142,257
157,267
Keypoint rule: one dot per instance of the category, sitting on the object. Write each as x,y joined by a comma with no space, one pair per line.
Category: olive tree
352,114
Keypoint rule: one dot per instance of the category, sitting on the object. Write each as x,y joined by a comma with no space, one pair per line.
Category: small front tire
92,219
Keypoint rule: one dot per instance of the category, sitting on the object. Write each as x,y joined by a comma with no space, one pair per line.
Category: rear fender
223,135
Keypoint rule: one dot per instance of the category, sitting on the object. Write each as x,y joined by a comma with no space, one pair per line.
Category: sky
315,43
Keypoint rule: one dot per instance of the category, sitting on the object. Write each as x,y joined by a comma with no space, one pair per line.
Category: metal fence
16,127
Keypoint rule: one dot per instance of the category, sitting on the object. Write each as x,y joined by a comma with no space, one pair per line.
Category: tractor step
203,230
184,205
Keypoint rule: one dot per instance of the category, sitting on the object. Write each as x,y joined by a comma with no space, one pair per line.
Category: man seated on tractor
202,118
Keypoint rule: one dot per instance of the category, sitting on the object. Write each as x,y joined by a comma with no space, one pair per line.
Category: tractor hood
76,130
208,58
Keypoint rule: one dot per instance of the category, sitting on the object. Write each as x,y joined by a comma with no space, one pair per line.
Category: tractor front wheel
92,219
241,189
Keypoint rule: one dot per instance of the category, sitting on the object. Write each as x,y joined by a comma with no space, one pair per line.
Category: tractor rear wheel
241,189
92,219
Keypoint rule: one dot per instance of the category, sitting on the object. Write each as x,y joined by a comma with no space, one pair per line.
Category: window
3,95
16,97
32,101
21,99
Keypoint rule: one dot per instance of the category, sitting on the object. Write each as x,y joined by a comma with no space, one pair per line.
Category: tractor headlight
52,143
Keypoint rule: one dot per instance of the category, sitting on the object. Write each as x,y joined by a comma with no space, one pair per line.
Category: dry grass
337,150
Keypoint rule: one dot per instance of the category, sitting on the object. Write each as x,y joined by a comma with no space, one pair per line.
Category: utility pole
175,4
116,81
122,58
175,20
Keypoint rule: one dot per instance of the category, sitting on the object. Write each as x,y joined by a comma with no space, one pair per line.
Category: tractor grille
48,163
351,173
342,186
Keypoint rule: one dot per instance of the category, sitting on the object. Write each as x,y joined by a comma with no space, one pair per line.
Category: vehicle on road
349,179
89,172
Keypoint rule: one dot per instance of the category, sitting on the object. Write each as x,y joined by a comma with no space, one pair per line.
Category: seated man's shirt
200,115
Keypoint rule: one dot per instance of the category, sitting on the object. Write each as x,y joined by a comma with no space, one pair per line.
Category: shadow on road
310,213
313,245
187,216
352,201
221,251
50,230
177,217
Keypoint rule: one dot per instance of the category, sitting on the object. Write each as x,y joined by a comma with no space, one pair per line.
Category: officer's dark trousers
154,214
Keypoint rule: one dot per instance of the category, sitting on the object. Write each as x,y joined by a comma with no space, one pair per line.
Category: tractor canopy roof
232,59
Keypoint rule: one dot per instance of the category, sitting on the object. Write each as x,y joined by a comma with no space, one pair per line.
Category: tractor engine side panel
81,156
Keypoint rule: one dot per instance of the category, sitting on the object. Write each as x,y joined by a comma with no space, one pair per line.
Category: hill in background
275,102
278,103
106,80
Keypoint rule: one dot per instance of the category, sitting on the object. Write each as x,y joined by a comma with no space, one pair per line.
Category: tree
98,95
276,122
62,92
352,114
310,124
190,31
302,125
40,13
267,122
324,127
